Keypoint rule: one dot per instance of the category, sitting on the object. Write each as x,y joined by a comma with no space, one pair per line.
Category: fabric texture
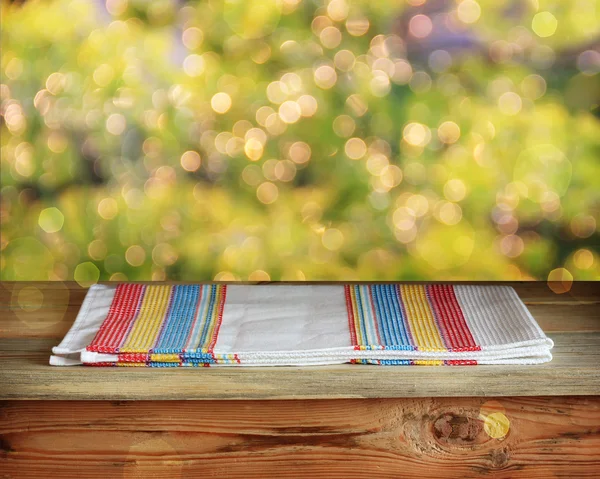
243,325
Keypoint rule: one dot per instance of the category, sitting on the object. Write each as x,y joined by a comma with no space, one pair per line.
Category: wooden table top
36,315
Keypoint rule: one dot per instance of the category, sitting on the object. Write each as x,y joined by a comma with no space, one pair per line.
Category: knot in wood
457,429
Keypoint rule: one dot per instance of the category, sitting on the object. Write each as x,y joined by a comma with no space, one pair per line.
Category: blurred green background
300,140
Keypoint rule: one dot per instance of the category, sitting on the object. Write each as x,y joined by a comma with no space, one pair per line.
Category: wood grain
422,428
390,438
25,374
35,316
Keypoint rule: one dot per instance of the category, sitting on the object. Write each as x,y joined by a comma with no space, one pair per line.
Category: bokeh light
300,140
51,220
221,102
544,24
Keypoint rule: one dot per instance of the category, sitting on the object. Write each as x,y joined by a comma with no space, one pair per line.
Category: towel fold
301,325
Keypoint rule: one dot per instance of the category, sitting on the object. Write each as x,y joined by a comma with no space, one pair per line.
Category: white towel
244,325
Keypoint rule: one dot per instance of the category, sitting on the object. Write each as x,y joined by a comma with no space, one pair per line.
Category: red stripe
133,357
442,318
120,297
453,326
461,362
437,297
129,313
122,312
461,325
351,324
219,320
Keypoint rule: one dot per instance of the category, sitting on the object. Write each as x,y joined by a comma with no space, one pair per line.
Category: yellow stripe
359,337
151,333
428,362
165,358
420,318
152,313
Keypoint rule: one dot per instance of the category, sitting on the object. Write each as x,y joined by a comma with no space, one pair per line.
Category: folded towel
244,325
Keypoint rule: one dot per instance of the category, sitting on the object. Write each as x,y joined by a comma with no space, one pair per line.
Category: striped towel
388,324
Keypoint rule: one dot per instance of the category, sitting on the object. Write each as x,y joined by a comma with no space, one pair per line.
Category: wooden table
344,421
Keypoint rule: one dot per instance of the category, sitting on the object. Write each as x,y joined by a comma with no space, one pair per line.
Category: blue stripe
394,298
179,319
395,362
154,364
391,318
383,318
399,320
196,356
190,303
385,362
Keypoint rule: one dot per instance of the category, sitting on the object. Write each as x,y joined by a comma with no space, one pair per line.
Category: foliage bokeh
300,139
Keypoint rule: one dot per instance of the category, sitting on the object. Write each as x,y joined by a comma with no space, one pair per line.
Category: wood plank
27,335
36,309
529,291
391,438
23,315
43,323
25,374
566,317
